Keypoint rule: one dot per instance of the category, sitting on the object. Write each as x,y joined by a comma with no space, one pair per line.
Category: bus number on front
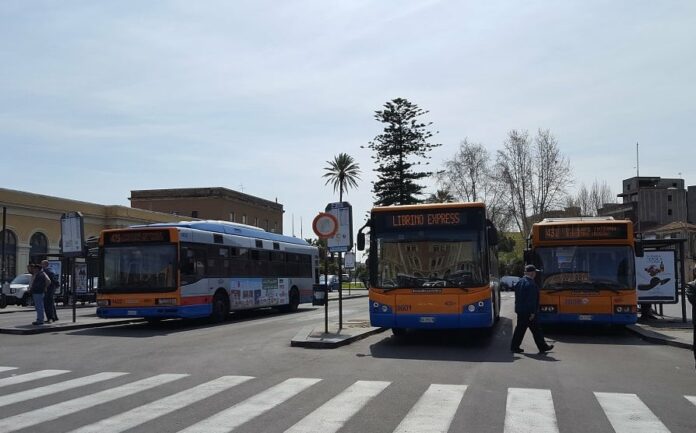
403,308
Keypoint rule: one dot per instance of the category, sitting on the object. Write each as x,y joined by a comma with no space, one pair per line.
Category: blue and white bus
196,269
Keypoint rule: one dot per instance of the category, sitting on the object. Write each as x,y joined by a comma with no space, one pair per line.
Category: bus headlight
166,301
548,308
625,309
471,308
103,303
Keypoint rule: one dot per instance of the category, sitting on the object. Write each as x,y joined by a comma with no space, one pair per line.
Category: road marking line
7,368
156,409
434,411
692,399
240,413
30,376
333,414
56,387
49,413
530,410
628,414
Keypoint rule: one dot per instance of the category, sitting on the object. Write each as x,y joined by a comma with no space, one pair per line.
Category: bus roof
456,205
229,228
570,220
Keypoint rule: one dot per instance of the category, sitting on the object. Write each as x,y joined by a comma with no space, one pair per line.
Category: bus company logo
577,301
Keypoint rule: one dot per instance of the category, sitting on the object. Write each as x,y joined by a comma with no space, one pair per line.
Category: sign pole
72,289
326,284
340,293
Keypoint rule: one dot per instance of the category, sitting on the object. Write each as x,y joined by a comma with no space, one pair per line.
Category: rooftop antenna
637,161
301,235
293,225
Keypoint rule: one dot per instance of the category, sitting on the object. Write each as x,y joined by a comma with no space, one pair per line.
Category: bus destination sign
585,232
134,236
420,220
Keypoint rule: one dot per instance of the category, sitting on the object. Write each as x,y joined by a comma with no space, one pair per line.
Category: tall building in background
691,204
212,204
650,202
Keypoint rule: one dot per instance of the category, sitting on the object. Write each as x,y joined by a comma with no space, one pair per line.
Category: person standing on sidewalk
691,296
526,307
38,286
50,296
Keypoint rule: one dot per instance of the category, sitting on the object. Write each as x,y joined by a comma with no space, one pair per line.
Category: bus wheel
294,299
220,309
27,300
398,332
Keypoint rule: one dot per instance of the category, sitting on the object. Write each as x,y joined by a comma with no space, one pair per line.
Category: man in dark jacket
50,295
526,307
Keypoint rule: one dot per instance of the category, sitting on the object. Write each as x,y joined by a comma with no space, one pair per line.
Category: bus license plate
427,320
132,313
585,317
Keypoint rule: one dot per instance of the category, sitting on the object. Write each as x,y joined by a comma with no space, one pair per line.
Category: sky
101,98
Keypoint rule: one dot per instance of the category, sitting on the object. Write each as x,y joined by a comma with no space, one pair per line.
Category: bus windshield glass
136,268
431,259
586,267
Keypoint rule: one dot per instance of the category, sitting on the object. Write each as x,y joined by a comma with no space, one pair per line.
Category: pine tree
404,137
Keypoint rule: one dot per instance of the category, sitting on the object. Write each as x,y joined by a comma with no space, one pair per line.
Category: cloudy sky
101,98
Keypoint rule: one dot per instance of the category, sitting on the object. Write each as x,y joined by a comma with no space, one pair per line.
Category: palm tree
342,172
441,196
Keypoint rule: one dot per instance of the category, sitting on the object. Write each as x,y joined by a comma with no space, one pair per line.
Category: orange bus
587,270
432,266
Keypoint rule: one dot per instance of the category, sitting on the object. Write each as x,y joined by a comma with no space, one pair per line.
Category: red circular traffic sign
325,225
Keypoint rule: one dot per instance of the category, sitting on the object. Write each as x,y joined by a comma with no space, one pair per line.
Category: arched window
9,266
38,247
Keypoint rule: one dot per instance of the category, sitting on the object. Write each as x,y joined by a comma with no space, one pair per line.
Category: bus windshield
586,267
431,259
135,268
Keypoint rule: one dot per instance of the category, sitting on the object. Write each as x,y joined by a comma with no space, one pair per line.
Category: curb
48,328
302,339
656,337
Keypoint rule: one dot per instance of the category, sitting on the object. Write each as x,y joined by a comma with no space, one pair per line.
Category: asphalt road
243,375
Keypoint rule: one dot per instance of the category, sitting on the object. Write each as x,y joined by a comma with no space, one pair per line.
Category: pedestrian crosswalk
433,409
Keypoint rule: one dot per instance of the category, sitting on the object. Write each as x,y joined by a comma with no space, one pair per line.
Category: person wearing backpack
50,296
37,287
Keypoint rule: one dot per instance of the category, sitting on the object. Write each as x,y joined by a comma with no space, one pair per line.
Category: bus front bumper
478,319
183,312
599,319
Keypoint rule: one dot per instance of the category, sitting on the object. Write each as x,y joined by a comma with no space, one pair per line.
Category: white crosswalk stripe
156,409
333,414
228,420
530,410
7,368
34,417
628,414
526,410
56,387
41,374
434,411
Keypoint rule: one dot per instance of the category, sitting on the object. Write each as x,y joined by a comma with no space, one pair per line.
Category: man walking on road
50,295
526,307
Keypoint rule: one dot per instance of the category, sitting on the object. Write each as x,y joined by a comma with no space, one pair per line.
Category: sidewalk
314,336
665,330
18,320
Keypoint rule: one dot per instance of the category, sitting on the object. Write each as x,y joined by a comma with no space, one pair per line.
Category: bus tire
220,308
398,332
27,300
294,299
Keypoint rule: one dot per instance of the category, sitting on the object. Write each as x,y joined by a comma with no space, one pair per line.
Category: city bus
432,266
587,270
194,269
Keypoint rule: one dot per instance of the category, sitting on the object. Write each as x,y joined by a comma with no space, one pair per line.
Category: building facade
650,202
214,204
32,225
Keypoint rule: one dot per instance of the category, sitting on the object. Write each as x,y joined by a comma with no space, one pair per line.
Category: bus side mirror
361,241
528,257
492,233
640,252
